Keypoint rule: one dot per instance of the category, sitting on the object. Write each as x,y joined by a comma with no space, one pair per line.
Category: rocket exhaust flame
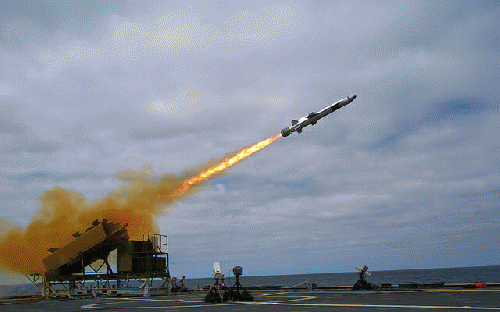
137,202
223,165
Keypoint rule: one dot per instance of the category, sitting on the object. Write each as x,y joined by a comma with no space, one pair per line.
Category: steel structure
139,263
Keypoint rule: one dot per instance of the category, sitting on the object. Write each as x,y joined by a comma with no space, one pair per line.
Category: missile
312,118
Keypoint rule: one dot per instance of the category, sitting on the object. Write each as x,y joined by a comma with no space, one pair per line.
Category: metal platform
138,264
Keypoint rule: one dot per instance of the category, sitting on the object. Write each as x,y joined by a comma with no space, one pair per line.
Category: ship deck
421,300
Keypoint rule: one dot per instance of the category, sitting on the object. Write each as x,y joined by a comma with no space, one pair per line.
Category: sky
406,176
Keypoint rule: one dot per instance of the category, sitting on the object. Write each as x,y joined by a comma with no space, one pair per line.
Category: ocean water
483,274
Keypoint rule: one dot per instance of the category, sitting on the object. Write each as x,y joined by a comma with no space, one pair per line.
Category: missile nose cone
354,96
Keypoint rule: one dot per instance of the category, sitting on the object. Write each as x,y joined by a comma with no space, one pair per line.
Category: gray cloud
91,89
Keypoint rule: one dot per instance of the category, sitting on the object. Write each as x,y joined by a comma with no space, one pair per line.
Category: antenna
361,269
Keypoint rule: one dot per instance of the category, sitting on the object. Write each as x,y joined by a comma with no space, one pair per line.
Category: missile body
312,118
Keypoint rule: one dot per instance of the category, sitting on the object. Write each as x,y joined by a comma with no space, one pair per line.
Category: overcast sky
407,176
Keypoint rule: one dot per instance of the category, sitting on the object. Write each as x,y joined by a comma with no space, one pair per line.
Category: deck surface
429,300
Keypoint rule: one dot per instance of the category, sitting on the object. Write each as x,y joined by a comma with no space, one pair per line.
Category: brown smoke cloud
63,212
7,277
137,202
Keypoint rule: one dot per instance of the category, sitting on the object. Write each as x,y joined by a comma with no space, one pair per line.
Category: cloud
261,27
177,33
5,89
6,276
186,101
15,32
177,86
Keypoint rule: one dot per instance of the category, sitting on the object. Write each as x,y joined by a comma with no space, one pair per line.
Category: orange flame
63,212
223,165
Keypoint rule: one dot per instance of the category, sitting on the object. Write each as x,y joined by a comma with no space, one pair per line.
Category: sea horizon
472,274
